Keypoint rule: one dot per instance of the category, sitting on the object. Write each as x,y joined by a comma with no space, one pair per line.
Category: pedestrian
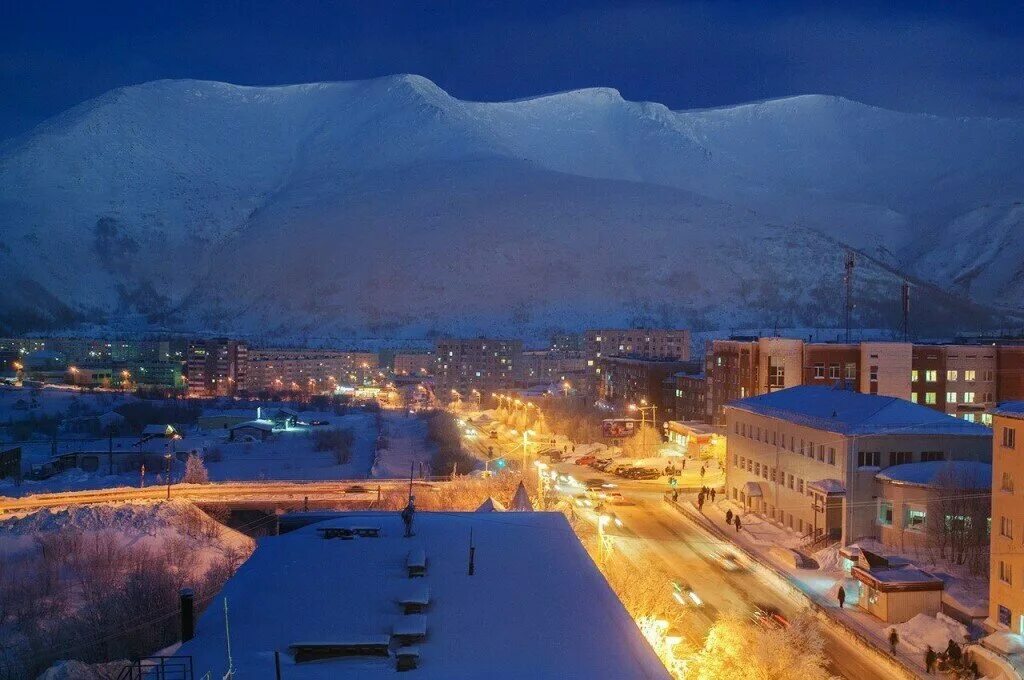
953,652
894,639
684,463
700,503
675,496
929,660
737,521
712,494
728,516
841,596
702,472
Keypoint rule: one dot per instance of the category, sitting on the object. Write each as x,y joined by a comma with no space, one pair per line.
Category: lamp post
169,456
643,408
541,479
526,434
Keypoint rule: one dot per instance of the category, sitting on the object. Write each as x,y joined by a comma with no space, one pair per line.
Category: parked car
643,473
593,483
586,460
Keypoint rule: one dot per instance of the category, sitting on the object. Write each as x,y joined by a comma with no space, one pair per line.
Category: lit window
914,519
952,375
930,398
885,513
914,376
950,397
931,376
986,419
969,375
968,397
913,397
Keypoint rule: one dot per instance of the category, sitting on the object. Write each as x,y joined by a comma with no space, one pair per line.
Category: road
213,492
654,531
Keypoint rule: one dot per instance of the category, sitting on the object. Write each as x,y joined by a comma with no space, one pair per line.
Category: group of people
952,658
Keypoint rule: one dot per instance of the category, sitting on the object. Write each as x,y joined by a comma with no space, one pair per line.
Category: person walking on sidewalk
894,639
728,516
736,520
841,596
930,657
700,502
702,472
712,494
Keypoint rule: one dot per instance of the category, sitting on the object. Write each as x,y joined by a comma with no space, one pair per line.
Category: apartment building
652,343
414,363
807,457
549,366
690,396
217,367
631,379
476,363
308,370
1006,575
958,379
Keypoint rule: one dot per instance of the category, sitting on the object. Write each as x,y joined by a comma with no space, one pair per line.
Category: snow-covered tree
195,470
736,648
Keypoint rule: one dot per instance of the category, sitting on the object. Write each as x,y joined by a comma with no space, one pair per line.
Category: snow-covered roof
1010,409
536,606
258,424
828,486
853,413
964,474
521,500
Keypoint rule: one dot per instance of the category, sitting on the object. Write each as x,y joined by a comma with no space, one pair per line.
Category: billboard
619,428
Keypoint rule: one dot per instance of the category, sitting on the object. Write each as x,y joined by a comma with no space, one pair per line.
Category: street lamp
603,539
541,479
526,434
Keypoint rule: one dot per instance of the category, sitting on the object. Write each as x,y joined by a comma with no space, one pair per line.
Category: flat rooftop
852,413
536,606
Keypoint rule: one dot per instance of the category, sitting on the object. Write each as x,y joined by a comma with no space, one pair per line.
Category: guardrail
905,663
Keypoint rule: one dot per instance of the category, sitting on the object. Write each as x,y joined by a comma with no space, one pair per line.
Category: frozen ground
407,446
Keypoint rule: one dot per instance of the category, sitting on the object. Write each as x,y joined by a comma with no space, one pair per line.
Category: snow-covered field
407,446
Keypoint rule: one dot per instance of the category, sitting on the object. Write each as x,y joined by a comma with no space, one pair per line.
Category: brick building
652,343
217,367
465,364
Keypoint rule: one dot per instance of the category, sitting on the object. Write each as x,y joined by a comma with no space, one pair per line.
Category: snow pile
936,631
76,670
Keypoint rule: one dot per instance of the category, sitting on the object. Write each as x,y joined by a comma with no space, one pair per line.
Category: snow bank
936,631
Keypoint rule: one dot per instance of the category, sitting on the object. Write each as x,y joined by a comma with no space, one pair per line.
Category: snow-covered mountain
388,207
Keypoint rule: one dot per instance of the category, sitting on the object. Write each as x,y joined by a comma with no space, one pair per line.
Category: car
317,423
728,560
594,483
582,501
586,460
685,595
644,473
768,616
355,488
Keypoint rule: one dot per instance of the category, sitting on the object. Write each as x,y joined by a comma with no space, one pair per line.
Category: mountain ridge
152,185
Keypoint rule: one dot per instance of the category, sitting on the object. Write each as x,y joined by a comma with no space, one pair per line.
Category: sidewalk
817,586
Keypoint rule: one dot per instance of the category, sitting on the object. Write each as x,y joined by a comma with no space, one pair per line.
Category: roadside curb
767,570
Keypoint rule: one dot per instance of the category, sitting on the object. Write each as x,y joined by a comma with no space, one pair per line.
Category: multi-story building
628,380
653,343
414,363
690,396
548,366
807,457
1006,575
308,370
477,363
959,379
217,367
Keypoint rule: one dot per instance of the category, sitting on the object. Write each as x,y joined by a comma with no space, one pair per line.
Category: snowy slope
389,207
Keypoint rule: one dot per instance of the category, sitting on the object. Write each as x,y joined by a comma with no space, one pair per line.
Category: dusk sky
960,58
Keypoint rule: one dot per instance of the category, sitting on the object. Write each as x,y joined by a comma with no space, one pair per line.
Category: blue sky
954,58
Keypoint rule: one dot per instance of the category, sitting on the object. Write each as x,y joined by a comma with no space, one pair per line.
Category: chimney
188,614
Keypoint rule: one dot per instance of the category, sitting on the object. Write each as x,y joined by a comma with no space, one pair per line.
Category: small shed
895,594
257,430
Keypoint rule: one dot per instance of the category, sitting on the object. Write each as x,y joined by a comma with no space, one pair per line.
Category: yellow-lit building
1006,576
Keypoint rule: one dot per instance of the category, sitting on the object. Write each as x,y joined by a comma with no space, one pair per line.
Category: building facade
465,364
217,367
806,457
651,343
628,380
416,364
964,380
1006,572
308,370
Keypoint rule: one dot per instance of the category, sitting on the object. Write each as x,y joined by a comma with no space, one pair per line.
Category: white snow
415,203
536,606
936,631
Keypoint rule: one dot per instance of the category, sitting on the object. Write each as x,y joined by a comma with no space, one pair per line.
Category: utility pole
848,281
